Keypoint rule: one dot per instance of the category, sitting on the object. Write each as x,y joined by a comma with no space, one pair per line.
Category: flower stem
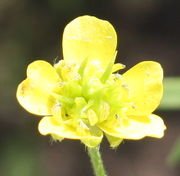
96,161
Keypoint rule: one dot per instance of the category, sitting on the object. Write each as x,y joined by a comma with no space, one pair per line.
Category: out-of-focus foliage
171,98
174,156
19,157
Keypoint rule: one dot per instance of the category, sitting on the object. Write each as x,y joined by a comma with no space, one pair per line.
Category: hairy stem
96,161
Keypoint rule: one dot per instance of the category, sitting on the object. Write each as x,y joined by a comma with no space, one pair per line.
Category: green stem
96,161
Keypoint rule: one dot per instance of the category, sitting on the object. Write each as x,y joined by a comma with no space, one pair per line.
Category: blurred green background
31,30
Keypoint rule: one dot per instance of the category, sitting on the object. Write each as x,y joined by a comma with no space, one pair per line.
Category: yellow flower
83,97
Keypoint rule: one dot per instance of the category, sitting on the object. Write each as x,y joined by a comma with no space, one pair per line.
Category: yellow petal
135,127
144,85
42,73
89,37
34,99
91,137
34,93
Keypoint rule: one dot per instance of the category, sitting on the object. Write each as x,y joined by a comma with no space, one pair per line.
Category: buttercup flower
84,97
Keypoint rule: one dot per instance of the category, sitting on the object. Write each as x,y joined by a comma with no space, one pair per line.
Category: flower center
84,97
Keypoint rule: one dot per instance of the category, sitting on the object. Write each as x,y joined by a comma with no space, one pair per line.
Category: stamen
83,125
92,117
104,111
